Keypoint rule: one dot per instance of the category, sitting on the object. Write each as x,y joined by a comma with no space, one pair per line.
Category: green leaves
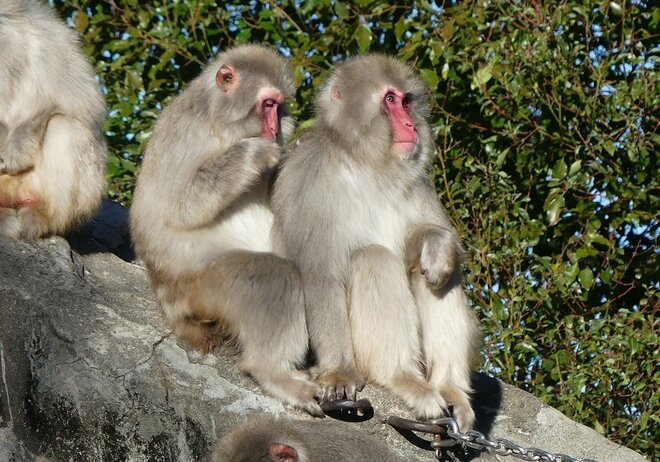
546,142
554,206
586,278
481,77
363,37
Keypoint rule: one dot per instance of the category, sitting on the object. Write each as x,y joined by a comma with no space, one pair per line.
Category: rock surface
89,371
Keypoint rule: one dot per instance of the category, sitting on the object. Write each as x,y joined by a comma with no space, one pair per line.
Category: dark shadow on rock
106,232
486,402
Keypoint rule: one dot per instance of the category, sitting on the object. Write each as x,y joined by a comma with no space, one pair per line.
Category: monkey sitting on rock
52,150
380,262
201,220
270,440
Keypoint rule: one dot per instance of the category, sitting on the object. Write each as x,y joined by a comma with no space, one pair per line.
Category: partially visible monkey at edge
201,220
380,262
267,439
52,150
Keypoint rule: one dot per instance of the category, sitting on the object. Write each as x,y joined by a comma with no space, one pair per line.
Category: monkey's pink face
404,133
268,102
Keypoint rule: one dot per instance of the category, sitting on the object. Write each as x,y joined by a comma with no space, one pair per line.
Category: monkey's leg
10,225
385,328
450,337
330,335
67,181
259,297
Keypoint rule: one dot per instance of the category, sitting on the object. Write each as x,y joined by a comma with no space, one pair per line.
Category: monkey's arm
20,147
219,180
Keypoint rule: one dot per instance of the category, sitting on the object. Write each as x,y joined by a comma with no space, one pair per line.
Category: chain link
446,433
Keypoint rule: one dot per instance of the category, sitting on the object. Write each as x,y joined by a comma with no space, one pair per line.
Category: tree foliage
545,117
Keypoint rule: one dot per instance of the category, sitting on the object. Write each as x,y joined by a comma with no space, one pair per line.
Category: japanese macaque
201,220
52,150
264,440
355,210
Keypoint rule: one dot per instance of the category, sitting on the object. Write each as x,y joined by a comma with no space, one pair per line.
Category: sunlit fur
378,257
201,223
51,145
309,441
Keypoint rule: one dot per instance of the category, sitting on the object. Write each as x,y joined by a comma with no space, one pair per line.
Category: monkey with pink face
266,439
380,262
201,220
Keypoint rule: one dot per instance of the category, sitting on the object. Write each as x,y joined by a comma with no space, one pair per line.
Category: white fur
192,250
43,70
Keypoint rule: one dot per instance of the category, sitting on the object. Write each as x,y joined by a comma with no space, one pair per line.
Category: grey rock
90,372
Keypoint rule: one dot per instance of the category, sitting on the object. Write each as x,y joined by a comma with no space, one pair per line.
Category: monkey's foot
10,225
292,388
427,405
339,385
464,415
419,396
459,401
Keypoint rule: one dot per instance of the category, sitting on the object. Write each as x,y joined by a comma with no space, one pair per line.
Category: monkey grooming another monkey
201,220
355,210
52,150
267,439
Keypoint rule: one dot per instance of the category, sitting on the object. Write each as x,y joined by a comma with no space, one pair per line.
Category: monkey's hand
20,147
263,153
439,258
17,156
339,384
436,251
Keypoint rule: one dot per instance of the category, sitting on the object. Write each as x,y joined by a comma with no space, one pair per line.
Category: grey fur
314,441
52,148
201,222
378,256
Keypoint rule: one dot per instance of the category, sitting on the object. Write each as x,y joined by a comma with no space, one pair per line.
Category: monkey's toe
465,416
311,408
340,385
428,405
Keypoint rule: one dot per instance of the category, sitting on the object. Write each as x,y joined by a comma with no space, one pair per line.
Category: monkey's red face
270,100
404,134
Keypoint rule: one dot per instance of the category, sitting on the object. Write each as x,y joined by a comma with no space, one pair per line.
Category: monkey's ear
334,93
226,78
283,453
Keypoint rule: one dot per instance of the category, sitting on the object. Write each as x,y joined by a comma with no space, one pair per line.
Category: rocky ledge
89,371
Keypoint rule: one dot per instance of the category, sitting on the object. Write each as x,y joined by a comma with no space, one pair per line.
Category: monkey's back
171,160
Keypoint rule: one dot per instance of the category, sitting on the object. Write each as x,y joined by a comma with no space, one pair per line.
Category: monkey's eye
270,102
406,102
389,97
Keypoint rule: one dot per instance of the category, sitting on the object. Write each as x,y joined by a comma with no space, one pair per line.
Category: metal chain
446,433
